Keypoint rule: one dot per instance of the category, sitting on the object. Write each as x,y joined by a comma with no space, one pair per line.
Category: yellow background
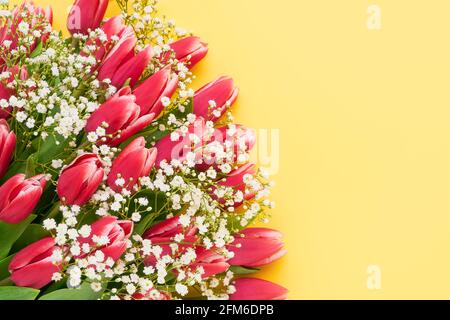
364,130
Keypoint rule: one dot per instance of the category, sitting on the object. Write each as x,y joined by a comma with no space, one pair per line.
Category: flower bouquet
118,180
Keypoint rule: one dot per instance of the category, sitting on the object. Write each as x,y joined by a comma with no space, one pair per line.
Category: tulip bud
213,100
80,180
189,50
179,146
33,266
167,229
152,294
38,17
113,27
85,15
257,289
5,110
122,51
7,146
132,68
134,162
236,180
119,117
150,92
117,231
212,261
6,93
256,247
19,197
229,144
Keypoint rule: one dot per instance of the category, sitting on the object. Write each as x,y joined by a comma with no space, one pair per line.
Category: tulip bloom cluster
116,175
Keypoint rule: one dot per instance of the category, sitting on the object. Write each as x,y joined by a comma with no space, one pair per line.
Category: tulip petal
258,289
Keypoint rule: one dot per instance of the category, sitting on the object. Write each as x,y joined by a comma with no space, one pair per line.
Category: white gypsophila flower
57,163
49,224
23,27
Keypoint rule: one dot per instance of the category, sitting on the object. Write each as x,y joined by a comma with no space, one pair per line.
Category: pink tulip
121,114
132,68
167,229
134,162
6,93
149,92
213,100
32,266
189,50
7,146
162,234
113,27
119,55
152,295
19,197
178,149
38,16
256,247
86,15
235,180
117,231
211,261
258,289
80,180
226,146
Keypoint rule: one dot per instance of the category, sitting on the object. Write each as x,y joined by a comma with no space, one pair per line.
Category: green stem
54,211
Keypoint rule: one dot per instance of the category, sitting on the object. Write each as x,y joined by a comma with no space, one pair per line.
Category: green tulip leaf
32,233
18,293
84,292
4,264
49,149
156,201
9,233
240,270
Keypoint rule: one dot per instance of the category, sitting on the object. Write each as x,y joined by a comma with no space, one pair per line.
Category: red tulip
149,92
179,148
121,114
212,100
19,197
7,146
117,231
255,247
257,289
85,15
189,50
80,180
132,68
33,266
134,162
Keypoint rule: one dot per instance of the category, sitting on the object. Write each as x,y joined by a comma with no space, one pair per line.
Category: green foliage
18,293
9,233
84,292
